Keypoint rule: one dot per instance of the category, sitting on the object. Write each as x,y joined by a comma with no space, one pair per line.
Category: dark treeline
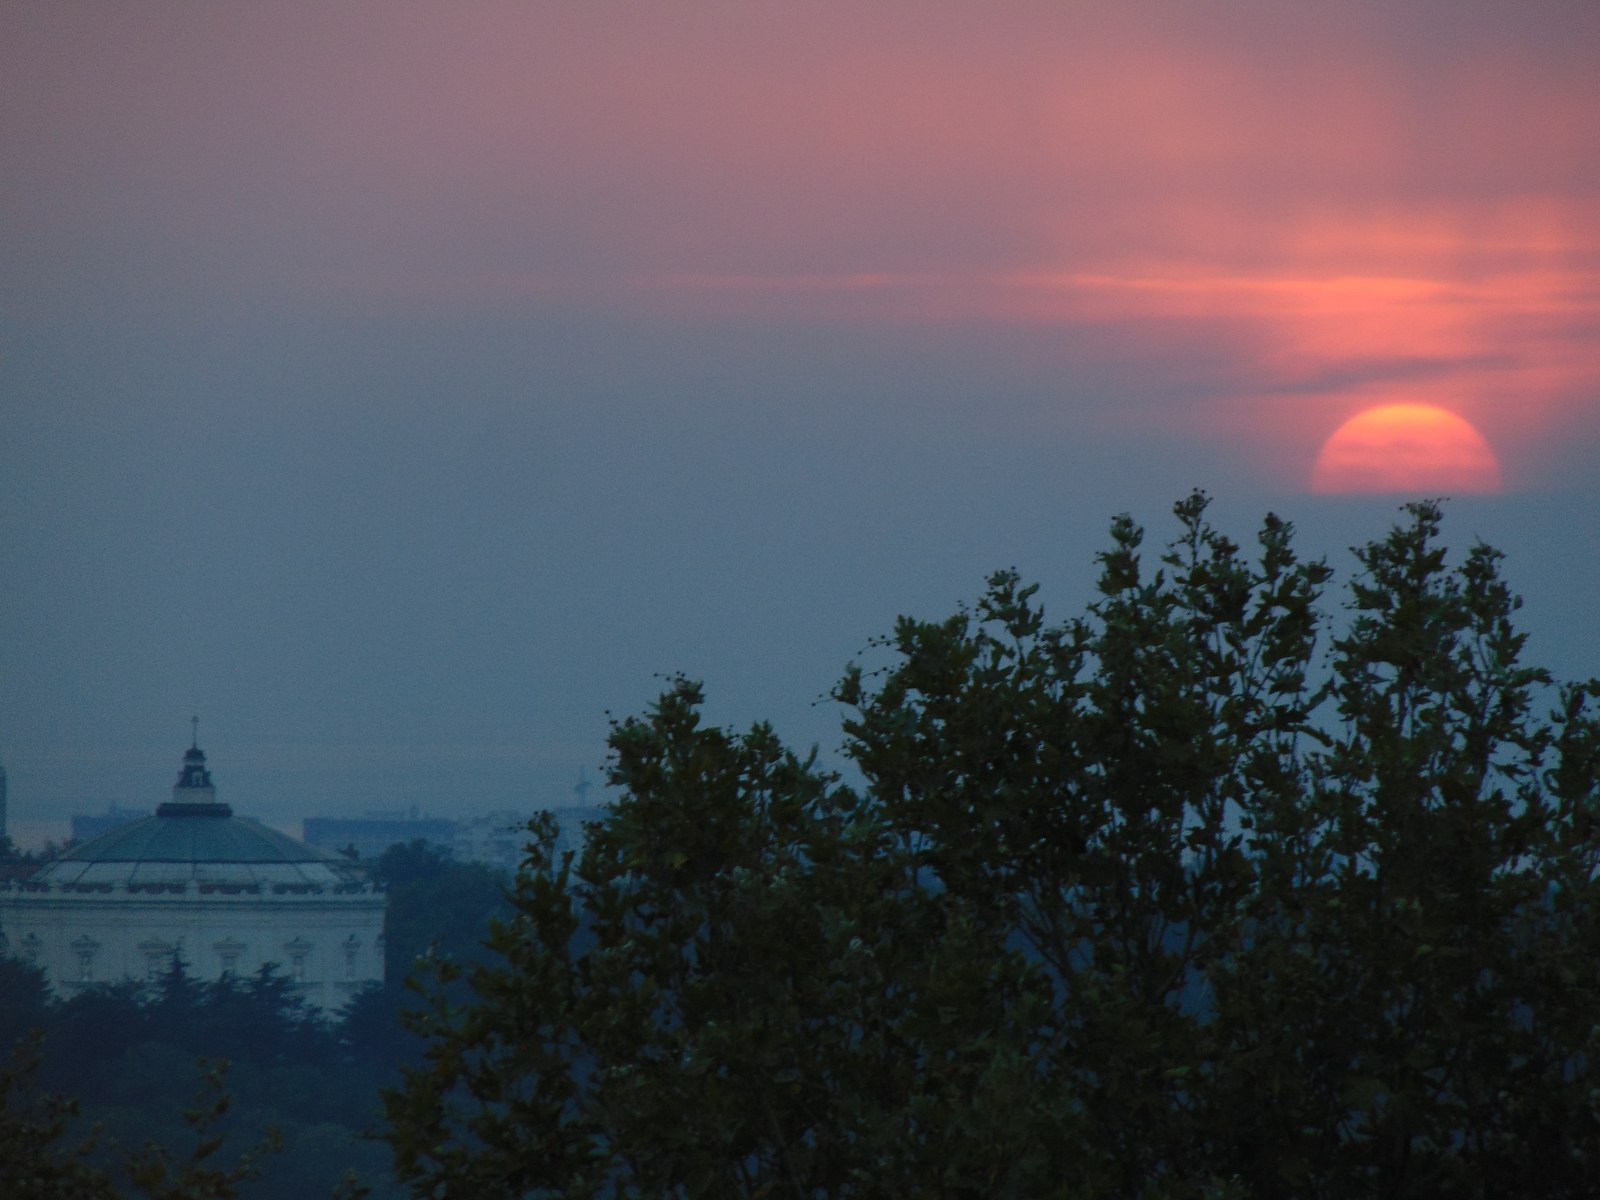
133,1057
1207,893
1213,891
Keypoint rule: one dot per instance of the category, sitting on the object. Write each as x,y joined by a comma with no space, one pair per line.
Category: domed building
225,893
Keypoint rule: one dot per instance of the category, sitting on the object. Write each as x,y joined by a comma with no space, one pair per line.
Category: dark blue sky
403,390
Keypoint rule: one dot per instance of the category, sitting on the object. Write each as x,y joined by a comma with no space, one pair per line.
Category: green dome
197,848
195,839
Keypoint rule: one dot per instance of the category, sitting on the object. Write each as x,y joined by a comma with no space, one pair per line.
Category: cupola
194,795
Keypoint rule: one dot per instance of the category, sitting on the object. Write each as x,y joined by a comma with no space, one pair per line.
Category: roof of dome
199,848
198,840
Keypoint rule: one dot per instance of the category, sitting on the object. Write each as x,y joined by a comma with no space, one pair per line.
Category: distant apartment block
497,839
571,821
371,835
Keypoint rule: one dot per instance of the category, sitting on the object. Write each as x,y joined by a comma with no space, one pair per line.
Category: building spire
194,793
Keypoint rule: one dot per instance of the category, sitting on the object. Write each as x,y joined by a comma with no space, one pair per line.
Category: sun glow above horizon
1406,448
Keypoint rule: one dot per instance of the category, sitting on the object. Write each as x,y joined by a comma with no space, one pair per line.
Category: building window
158,958
299,950
86,948
228,952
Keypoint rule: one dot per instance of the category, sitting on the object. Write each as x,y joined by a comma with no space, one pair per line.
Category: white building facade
224,893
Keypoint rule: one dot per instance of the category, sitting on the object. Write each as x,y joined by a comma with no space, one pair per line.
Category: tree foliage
101,1103
120,1058
1205,892
436,905
40,1161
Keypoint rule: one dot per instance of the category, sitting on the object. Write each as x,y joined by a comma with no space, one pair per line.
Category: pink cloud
1328,188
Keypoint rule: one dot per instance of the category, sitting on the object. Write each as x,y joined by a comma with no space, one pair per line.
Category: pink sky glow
396,383
1361,214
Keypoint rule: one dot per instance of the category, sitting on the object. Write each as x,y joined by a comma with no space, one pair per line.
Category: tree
101,1105
33,1127
155,1172
435,905
36,1165
24,1000
760,996
1160,901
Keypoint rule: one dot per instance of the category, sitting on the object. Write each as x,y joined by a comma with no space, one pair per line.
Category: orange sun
1406,448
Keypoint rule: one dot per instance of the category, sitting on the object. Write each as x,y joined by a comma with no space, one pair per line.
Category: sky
405,389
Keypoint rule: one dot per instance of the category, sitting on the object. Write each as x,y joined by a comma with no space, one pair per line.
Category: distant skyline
403,389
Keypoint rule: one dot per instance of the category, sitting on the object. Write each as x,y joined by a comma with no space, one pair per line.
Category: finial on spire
194,794
195,721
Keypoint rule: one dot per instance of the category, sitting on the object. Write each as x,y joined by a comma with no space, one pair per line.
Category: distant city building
226,894
87,825
371,835
500,839
571,821
496,839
